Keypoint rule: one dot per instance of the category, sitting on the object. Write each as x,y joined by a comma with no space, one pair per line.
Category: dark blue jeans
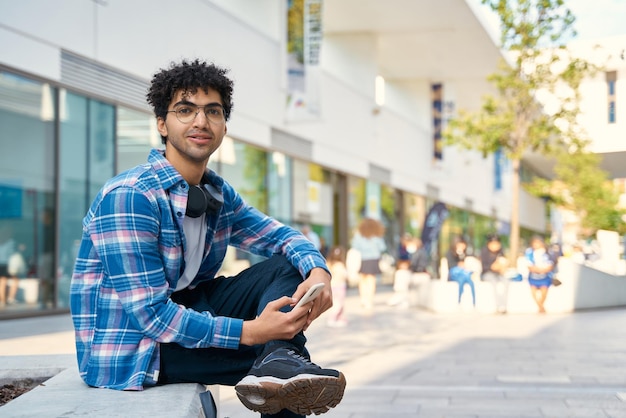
463,277
242,296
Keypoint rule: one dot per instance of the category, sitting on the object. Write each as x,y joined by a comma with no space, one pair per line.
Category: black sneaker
284,379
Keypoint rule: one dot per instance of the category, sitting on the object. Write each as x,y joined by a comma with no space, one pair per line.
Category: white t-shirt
195,234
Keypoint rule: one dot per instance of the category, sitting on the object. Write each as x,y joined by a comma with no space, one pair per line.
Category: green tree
582,187
536,104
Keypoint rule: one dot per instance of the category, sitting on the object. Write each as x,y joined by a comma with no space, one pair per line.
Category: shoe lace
300,357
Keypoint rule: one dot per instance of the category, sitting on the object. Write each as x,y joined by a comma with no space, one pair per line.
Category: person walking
146,304
369,242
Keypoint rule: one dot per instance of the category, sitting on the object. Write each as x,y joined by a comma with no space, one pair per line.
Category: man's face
193,141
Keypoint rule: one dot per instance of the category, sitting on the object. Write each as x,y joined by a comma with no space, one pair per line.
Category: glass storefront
246,168
368,199
279,186
313,200
62,150
414,214
27,182
136,135
84,165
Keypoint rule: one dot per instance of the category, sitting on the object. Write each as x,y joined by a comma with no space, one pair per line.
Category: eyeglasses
187,112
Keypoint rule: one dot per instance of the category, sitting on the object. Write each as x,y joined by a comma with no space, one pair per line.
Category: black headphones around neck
204,198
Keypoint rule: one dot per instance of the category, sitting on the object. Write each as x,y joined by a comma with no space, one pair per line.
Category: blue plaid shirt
130,259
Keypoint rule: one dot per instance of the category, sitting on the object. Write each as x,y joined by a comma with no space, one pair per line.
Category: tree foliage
536,104
295,29
583,188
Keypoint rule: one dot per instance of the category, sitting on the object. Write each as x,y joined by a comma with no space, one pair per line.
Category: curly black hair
189,77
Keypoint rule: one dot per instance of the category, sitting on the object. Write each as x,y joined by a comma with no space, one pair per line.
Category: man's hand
322,303
273,324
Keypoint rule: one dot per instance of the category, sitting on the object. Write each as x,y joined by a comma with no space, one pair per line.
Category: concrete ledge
67,395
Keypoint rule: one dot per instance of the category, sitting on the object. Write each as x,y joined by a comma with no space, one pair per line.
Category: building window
136,135
611,77
27,190
86,162
279,186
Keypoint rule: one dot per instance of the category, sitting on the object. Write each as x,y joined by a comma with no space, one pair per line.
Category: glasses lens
186,113
215,114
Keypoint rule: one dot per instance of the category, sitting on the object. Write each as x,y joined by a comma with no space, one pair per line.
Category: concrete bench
442,297
582,288
66,395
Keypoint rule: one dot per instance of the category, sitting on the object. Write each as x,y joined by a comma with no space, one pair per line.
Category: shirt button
179,214
183,186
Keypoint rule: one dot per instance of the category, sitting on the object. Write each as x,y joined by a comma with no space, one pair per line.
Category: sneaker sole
304,394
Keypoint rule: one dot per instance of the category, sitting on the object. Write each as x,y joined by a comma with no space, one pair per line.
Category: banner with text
304,41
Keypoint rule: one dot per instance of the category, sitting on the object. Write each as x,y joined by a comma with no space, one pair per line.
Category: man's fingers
280,303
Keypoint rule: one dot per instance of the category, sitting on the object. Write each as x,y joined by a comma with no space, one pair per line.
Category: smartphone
310,294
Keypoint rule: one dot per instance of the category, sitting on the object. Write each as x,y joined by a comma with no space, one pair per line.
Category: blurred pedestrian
415,275
336,261
17,270
457,272
311,236
369,242
402,274
494,266
7,247
405,248
577,254
540,271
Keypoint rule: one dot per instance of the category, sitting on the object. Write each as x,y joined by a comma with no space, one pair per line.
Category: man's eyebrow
187,102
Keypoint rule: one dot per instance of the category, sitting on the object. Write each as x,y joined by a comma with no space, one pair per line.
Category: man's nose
200,119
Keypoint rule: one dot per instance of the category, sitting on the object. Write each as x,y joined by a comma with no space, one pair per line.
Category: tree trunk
514,238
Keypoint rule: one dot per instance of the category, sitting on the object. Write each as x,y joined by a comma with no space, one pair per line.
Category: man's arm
260,234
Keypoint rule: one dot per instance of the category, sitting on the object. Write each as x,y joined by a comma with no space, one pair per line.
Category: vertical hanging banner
498,169
437,101
304,41
432,224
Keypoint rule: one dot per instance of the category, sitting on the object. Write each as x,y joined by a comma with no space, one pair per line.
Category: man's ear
161,127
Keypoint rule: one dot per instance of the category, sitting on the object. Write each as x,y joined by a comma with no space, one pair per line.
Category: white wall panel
263,15
29,55
351,59
67,23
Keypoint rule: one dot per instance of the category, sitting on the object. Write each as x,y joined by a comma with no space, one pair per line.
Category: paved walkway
411,363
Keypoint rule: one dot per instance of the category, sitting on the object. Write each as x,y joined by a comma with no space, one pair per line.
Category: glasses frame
198,108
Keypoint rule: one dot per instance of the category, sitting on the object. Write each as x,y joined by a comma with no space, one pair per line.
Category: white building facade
328,151
603,104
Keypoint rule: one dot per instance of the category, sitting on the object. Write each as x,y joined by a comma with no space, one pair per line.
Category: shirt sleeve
260,234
